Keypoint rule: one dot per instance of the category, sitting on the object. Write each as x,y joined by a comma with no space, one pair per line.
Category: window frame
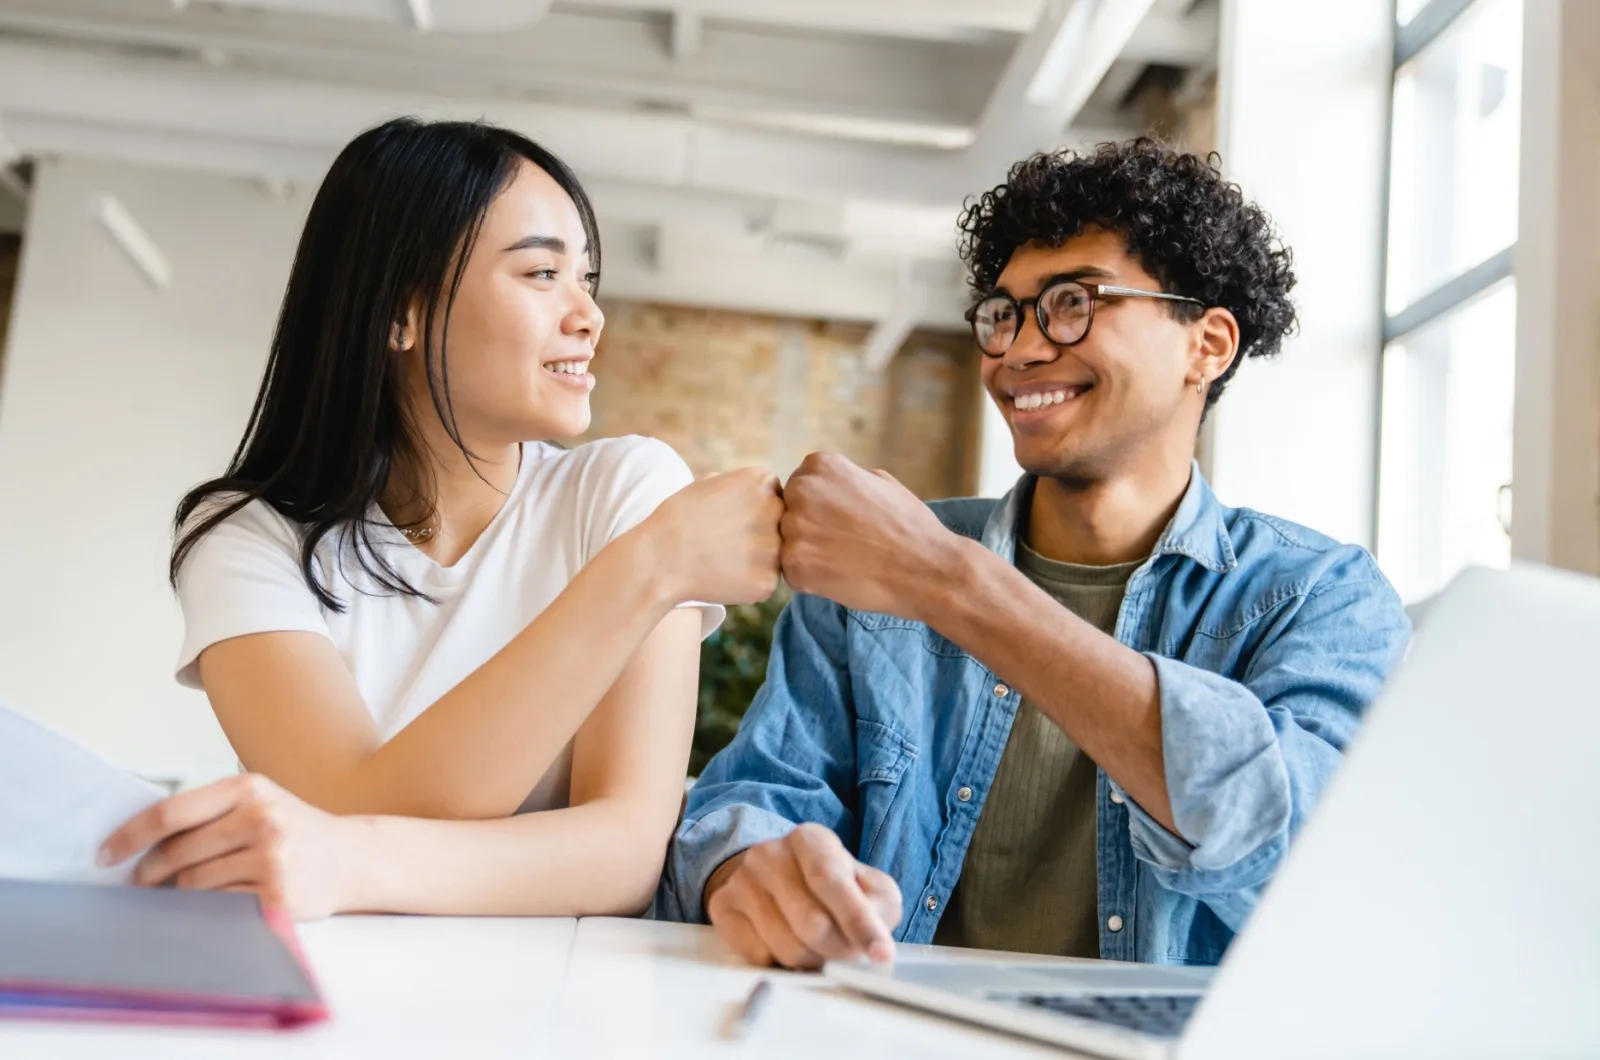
1431,22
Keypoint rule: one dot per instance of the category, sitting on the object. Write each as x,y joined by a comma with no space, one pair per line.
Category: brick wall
730,389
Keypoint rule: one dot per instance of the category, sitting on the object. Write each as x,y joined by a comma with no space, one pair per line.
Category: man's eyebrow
1085,273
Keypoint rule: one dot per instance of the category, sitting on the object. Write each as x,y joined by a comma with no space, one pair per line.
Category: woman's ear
1216,346
403,332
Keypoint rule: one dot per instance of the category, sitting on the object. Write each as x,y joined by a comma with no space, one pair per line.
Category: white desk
403,988
642,989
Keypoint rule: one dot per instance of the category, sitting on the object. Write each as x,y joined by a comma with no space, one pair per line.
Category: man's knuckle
813,927
834,875
792,954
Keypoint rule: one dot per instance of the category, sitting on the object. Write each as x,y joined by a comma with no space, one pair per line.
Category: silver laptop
1444,901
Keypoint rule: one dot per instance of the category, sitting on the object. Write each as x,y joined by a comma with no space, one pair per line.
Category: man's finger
169,817
805,915
742,937
830,874
776,934
884,895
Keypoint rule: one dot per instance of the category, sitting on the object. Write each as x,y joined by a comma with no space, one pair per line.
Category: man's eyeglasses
1065,311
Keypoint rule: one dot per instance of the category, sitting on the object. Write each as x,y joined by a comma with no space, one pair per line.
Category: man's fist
861,539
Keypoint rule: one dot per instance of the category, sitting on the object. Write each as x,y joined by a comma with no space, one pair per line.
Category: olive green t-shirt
1028,883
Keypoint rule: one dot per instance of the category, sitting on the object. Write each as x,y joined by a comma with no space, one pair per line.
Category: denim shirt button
1001,691
964,794
933,903
1116,796
1113,922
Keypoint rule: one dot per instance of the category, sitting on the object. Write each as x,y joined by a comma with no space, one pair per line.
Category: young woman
459,663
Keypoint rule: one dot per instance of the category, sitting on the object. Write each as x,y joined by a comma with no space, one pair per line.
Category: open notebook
76,943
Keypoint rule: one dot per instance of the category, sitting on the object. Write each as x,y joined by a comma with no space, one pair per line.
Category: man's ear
403,332
1216,346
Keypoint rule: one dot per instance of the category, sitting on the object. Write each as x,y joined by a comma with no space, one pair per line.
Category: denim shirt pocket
882,757
874,622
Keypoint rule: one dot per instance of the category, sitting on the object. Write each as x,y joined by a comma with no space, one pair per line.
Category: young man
1087,719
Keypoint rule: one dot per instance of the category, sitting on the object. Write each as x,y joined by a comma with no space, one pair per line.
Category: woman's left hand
242,834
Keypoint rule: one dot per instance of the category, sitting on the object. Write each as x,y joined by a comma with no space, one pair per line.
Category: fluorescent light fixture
133,239
1065,50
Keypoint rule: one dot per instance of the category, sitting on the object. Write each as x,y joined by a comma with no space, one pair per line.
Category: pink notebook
128,954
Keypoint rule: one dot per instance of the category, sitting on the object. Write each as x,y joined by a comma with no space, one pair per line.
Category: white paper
58,802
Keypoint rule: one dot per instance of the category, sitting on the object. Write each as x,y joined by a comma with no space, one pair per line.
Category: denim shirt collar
1196,530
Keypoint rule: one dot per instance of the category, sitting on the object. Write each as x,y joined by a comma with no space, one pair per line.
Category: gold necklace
416,534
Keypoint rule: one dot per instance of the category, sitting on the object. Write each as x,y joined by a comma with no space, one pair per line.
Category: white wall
1302,123
998,469
1556,457
117,398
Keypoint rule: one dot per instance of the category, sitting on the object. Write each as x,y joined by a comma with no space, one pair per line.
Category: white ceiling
789,155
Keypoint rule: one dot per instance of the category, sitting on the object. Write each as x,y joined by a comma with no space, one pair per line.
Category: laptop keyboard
1160,1015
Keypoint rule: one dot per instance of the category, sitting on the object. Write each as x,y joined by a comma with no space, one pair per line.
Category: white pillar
1303,121
1556,456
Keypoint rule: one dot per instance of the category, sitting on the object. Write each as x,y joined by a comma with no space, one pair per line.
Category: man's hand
862,539
802,900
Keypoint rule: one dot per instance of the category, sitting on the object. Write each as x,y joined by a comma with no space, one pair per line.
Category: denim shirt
1268,641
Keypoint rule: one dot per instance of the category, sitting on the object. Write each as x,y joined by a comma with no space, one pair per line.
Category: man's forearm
1103,694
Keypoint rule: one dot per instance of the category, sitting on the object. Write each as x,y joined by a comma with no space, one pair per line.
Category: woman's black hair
392,225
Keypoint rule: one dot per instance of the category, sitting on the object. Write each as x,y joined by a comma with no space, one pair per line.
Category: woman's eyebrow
539,243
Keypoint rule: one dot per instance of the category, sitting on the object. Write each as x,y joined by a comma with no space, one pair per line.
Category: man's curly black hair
1187,226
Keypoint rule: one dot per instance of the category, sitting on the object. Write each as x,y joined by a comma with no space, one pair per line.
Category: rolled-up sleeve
793,761
1246,761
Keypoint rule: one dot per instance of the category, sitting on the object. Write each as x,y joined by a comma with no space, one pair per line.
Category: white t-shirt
405,653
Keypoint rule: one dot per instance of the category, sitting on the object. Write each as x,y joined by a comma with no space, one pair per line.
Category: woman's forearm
602,858
481,747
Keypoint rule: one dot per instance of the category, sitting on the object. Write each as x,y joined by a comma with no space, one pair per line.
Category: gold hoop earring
1200,386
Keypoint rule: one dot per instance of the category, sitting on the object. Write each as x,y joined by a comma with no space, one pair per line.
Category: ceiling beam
567,56
1052,73
1175,38
686,32
925,19
164,97
686,266
461,16
890,331
420,13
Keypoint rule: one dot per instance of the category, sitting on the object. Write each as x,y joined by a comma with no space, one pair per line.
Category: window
1450,299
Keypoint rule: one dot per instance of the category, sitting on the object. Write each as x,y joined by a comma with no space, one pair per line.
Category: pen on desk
751,1010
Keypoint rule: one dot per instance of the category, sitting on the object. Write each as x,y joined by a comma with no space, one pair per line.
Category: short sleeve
634,475
243,577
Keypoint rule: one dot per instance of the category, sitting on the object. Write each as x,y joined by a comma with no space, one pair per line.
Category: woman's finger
168,817
233,831
241,869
